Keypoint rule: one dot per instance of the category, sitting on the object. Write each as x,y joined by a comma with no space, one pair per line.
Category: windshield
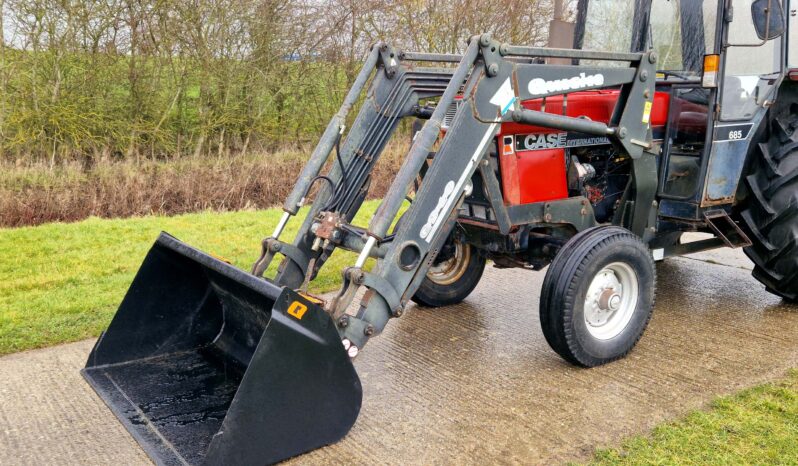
608,25
682,32
750,69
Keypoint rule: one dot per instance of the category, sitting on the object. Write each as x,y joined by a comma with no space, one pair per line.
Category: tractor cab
720,63
718,67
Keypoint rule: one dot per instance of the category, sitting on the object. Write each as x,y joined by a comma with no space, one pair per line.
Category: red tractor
665,117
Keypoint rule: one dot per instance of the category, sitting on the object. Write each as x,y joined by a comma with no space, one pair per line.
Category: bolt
468,188
358,278
493,69
503,49
276,247
343,322
646,94
547,217
622,133
398,312
644,76
484,40
352,351
369,330
652,57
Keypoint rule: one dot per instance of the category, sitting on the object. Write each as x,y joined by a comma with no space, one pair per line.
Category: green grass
755,426
63,282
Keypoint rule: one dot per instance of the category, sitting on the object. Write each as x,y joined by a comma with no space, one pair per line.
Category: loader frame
492,79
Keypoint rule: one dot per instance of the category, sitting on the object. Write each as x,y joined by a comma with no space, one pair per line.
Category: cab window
752,66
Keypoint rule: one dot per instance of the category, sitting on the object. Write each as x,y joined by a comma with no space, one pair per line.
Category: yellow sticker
311,298
297,309
647,112
221,258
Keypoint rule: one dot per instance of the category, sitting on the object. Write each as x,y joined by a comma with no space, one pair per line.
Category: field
63,282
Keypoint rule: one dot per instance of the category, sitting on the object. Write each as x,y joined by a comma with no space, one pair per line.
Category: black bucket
206,364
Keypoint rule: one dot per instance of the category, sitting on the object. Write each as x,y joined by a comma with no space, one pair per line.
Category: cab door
752,67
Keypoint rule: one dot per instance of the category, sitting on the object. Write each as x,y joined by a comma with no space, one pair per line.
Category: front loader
593,163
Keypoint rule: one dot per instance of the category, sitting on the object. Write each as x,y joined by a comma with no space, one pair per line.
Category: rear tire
452,278
598,296
768,210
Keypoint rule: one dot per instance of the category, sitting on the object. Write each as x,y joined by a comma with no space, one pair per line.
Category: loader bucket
206,364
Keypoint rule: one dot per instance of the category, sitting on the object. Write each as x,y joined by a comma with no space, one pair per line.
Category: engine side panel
533,161
548,168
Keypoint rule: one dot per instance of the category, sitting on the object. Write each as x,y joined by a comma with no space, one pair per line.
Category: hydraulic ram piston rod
548,120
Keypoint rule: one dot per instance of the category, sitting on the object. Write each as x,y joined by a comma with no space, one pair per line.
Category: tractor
664,117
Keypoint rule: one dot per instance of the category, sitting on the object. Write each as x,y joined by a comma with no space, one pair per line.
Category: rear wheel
453,276
598,296
769,206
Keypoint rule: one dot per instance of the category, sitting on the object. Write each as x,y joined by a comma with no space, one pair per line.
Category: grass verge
63,282
756,426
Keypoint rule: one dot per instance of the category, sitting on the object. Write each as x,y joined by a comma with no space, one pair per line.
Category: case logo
543,141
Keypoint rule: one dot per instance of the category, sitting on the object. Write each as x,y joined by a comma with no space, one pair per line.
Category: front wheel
453,276
598,296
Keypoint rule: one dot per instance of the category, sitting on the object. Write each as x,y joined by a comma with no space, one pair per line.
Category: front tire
598,296
453,276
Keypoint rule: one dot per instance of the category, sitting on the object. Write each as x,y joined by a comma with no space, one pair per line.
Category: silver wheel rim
452,269
611,300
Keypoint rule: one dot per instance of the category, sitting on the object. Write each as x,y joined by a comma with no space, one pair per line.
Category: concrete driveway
472,383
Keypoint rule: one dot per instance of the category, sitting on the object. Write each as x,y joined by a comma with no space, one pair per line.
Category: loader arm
496,77
394,94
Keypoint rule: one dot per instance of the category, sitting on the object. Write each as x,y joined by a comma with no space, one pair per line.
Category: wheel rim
611,300
452,269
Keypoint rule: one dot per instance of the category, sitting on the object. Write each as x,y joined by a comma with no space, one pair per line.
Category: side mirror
768,16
